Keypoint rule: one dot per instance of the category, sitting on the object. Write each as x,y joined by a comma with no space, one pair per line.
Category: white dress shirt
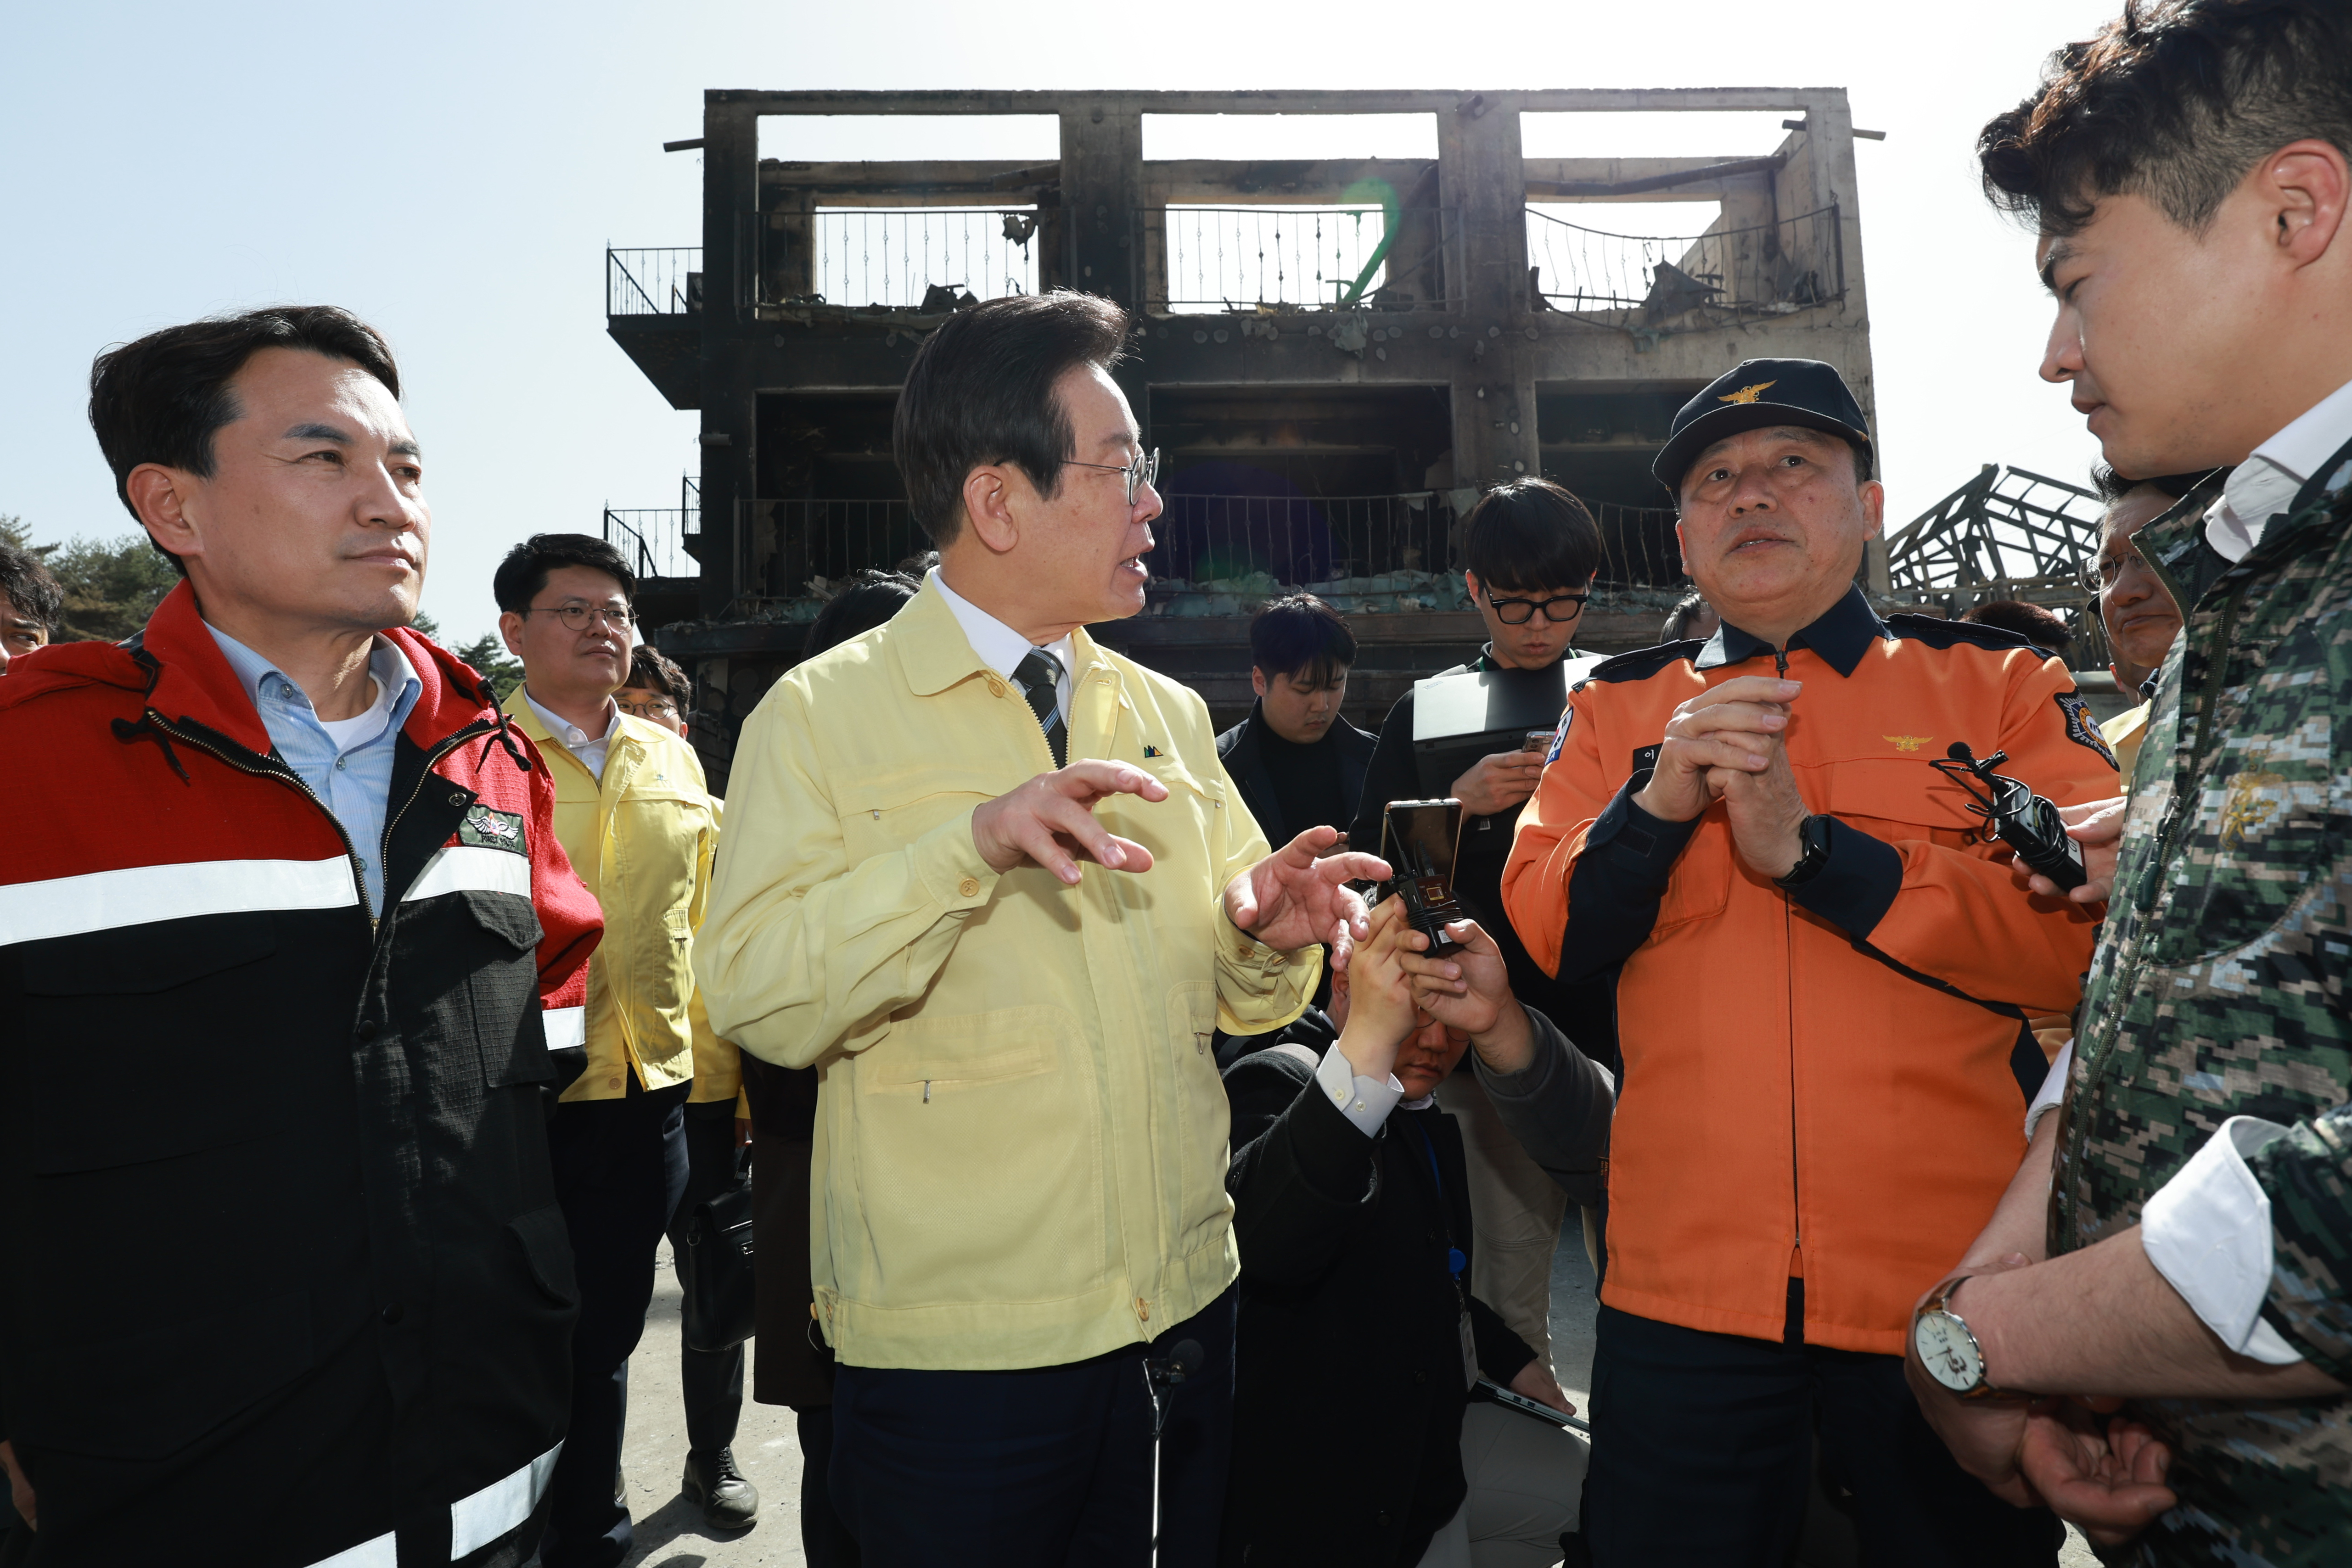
589,748
2265,484
1000,647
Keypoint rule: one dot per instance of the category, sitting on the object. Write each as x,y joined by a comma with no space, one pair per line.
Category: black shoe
729,1502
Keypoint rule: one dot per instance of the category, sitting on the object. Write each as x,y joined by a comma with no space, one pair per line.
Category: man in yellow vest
2141,617
632,810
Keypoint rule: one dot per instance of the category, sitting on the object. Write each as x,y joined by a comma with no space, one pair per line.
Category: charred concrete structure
1334,357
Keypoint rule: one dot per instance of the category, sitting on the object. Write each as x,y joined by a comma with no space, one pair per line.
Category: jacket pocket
1699,887
975,1145
1203,1115
501,984
547,1252
148,1397
96,1045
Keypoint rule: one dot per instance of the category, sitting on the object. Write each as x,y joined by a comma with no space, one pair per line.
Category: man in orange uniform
1826,974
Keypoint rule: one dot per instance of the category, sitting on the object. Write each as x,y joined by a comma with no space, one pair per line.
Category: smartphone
1419,839
1526,1406
1538,741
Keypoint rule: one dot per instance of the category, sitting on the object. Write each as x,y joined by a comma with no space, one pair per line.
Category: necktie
1039,676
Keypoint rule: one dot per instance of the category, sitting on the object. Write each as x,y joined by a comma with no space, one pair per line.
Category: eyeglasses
1144,470
576,616
650,707
2099,573
1519,611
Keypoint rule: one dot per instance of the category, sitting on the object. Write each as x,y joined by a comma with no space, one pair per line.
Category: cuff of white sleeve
2053,1093
2208,1231
566,1028
1365,1102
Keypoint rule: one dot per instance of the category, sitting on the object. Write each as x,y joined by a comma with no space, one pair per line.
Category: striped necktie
1040,674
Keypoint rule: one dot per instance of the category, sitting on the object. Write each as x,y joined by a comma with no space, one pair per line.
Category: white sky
453,172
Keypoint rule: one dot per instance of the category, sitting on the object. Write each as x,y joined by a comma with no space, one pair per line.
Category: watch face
1948,1351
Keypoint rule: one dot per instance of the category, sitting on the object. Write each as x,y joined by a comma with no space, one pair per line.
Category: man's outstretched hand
1050,820
1292,898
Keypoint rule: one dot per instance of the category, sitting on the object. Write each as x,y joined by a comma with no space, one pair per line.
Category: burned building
1334,356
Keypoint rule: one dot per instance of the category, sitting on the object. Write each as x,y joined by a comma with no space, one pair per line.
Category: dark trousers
1701,1443
710,1380
825,1541
620,1170
1052,1465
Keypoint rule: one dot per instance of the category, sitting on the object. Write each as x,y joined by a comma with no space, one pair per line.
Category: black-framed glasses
654,707
575,616
1519,611
1144,470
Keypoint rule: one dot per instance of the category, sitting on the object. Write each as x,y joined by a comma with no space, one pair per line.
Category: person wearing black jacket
1297,762
1356,1437
1530,551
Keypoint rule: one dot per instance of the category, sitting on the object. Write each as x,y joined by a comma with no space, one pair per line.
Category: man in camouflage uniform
2180,1238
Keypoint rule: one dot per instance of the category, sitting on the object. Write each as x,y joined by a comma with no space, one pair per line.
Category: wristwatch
1947,1348
1814,834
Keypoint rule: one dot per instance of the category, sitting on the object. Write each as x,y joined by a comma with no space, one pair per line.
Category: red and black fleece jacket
249,1123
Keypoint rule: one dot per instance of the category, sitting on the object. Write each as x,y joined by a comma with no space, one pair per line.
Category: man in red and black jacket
284,937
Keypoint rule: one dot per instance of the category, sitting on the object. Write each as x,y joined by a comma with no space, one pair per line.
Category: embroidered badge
2253,801
490,830
1559,735
1745,395
1149,751
2079,728
1907,742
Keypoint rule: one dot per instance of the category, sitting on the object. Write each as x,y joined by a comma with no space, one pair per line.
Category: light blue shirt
346,762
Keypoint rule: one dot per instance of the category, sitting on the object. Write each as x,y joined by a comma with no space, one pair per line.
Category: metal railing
2006,535
1210,259
926,257
652,540
666,281
830,540
1765,269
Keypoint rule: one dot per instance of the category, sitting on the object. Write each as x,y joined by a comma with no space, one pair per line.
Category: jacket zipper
1788,950
284,775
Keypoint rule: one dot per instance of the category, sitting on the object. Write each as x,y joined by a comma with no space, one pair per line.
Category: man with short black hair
1821,975
30,603
1299,762
2135,606
1021,1134
284,929
2181,1234
1530,551
633,812
2037,626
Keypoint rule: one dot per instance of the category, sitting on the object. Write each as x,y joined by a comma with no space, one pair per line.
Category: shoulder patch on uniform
1559,735
1642,663
1938,633
487,829
2079,727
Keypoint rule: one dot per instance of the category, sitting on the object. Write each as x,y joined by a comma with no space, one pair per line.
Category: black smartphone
1419,839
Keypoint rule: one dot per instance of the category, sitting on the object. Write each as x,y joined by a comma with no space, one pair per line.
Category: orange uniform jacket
1828,1082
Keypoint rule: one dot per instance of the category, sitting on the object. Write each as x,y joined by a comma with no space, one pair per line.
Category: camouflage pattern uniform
2217,990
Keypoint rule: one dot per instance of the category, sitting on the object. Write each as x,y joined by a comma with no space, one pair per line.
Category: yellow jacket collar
933,653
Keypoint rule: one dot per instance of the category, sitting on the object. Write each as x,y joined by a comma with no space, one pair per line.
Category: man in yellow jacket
632,812
992,881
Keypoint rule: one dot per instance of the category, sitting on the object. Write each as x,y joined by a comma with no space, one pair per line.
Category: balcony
653,308
1657,286
659,543
1197,260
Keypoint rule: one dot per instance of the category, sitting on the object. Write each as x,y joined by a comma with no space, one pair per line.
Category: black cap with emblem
1757,393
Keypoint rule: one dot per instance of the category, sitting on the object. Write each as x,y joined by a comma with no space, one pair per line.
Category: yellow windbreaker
643,841
1021,1137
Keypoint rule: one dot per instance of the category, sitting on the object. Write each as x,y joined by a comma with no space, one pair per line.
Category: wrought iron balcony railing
1632,280
1196,260
653,540
923,257
666,281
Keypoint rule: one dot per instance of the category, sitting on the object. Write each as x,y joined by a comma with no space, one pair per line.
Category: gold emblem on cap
1746,395
1907,742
